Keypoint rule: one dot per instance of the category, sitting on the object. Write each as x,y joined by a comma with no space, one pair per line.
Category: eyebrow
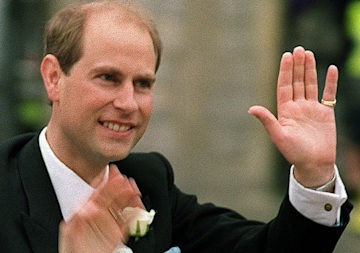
115,71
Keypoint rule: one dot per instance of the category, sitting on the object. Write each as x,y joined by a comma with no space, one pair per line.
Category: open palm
304,130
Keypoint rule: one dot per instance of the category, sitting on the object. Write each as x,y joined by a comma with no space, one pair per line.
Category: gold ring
116,215
113,213
328,103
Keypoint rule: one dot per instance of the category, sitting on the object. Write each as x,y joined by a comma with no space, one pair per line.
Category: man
61,190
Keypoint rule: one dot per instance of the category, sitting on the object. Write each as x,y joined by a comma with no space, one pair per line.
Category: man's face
105,102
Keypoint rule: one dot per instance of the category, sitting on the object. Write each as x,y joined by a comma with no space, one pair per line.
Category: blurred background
220,58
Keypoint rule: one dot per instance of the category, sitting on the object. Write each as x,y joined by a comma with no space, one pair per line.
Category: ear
51,73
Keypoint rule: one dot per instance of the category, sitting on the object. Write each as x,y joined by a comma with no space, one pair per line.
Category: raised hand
98,227
304,130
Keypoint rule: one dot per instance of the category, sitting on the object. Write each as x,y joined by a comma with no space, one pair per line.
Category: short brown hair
64,31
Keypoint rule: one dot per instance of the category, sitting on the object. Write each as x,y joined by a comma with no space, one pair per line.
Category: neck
90,170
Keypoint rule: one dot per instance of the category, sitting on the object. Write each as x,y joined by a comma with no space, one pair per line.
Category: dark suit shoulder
30,215
11,147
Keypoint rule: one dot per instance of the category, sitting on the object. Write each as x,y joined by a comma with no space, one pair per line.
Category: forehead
114,15
113,34
119,14
110,28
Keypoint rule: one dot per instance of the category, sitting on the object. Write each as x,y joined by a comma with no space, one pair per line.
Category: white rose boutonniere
139,220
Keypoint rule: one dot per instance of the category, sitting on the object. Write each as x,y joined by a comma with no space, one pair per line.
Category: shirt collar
71,190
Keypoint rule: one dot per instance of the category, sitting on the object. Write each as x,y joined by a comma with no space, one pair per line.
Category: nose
124,97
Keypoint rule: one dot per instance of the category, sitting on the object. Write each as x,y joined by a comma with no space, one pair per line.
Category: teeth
116,127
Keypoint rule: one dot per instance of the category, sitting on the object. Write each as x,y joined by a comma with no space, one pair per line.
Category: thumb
267,119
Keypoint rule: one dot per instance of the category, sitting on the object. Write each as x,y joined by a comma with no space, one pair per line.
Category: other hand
98,227
304,130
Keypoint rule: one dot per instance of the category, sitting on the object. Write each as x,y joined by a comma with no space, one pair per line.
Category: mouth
116,127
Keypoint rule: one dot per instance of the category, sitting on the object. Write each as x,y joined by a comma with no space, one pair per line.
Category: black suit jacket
30,213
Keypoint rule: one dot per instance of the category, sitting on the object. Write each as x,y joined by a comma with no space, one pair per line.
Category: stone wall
220,58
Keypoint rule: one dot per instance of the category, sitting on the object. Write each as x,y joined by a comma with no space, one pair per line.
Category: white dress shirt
318,205
70,189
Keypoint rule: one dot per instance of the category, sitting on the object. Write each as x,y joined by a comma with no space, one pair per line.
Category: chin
114,153
118,157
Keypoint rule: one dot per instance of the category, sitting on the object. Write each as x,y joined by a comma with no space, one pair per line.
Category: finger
331,83
284,85
268,120
117,192
127,183
103,224
134,186
113,171
92,213
299,73
311,87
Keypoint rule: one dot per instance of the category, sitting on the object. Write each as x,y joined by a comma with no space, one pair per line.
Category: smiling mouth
116,127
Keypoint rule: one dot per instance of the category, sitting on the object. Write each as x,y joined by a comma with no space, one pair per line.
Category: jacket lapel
143,244
148,242
42,220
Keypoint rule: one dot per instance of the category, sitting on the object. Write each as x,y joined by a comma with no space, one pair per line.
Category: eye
107,77
143,84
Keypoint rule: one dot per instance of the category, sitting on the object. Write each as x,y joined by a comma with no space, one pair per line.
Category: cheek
146,107
70,99
82,96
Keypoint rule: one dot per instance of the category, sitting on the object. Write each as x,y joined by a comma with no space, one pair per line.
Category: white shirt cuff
316,205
